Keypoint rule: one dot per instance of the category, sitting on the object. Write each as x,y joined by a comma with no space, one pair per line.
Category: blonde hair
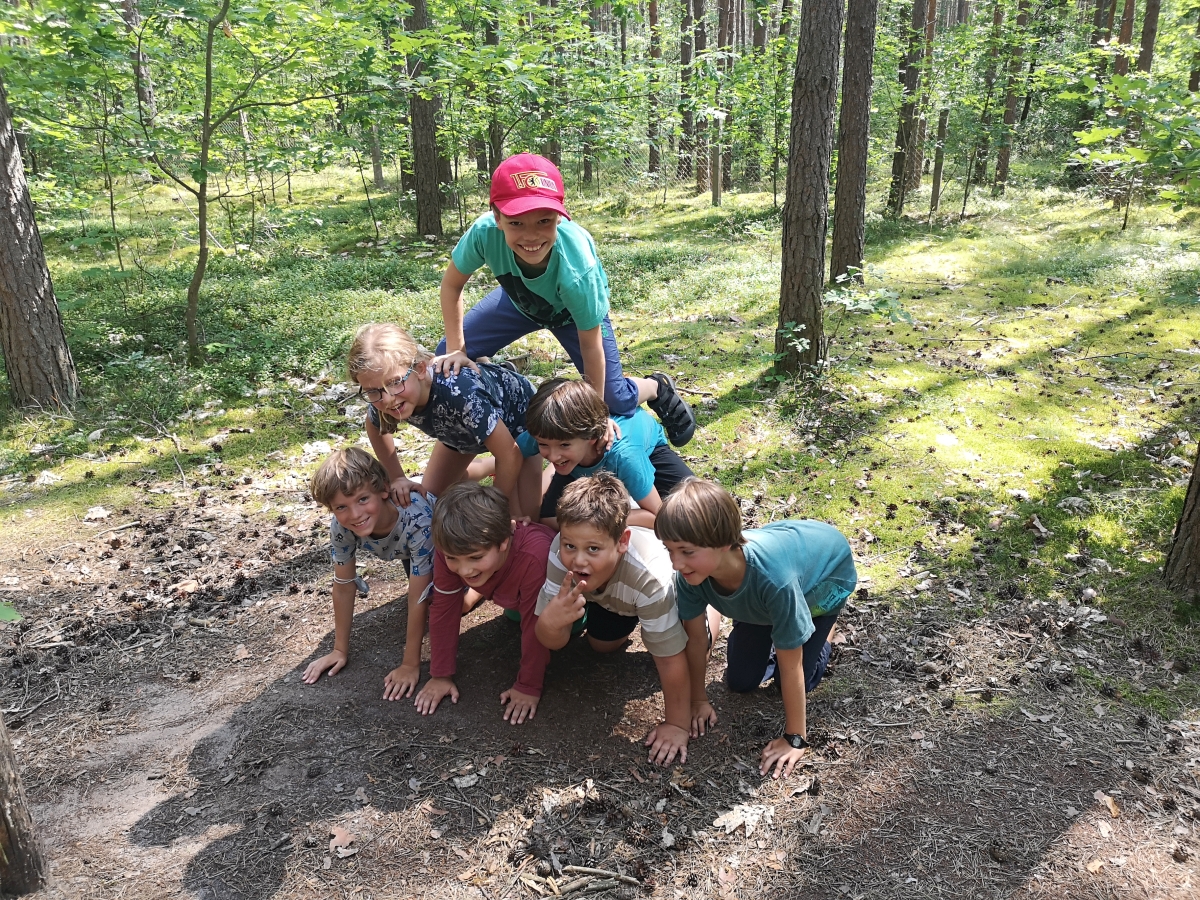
383,347
702,513
345,472
563,409
600,501
470,516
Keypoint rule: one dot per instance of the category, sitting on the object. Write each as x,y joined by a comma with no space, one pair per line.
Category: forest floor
1014,710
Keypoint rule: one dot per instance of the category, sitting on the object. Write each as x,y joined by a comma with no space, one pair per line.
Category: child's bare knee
607,646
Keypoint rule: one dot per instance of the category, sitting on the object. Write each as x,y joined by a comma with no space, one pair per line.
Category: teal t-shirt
573,289
629,456
795,570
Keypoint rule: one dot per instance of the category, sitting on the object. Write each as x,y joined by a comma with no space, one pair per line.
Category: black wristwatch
797,741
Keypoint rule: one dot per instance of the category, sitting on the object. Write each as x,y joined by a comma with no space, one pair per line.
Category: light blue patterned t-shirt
411,538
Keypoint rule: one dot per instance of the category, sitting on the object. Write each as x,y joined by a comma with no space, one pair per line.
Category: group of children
614,533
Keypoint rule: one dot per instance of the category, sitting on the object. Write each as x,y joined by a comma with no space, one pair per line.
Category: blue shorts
493,323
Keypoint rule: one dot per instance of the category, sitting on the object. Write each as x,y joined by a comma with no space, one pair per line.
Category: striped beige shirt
643,585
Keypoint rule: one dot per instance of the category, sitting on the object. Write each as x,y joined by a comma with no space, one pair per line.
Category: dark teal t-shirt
573,289
629,456
796,570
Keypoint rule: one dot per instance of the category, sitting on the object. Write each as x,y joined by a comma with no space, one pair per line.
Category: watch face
797,742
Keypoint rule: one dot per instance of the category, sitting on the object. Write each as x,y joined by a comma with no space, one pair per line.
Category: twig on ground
601,873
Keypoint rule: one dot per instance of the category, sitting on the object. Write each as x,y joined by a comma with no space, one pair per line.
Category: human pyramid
615,533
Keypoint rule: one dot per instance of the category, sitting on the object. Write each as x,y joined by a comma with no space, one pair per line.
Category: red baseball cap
526,182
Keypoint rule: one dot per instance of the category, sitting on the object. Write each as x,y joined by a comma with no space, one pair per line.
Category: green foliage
7,613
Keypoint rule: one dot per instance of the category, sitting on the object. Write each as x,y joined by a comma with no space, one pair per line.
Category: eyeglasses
391,389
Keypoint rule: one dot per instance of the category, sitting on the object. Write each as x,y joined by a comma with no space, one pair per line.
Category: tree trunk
1125,38
683,168
495,142
906,130
22,866
655,163
854,127
143,84
1182,570
700,128
979,174
1149,35
759,50
376,158
915,158
806,210
724,158
1004,154
423,112
1194,78
40,369
939,159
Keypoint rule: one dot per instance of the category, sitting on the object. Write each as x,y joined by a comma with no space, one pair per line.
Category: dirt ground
170,749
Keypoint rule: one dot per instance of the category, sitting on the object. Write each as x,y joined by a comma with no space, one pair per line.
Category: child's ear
623,543
505,544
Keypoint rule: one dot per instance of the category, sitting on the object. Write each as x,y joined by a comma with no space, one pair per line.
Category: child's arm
648,508
591,348
702,714
384,446
509,461
343,617
445,614
671,737
451,296
521,700
403,680
779,753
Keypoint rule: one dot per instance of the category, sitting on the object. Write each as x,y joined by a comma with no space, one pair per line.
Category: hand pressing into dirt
518,706
402,490
783,756
666,742
703,717
334,662
401,682
434,692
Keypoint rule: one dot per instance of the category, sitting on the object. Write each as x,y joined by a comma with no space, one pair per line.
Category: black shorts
669,471
606,625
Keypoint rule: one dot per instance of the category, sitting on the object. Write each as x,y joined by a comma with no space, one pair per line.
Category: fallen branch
601,873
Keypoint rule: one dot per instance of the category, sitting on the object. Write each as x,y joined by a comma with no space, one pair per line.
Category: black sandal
676,416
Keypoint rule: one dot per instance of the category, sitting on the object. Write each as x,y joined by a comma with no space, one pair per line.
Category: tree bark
1004,153
915,159
700,127
854,132
655,163
939,160
806,210
1149,35
724,158
495,141
1125,38
683,167
906,130
143,84
758,50
979,174
1182,570
424,112
22,866
1194,78
376,157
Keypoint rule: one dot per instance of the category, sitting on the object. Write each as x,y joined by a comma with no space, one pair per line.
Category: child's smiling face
478,566
411,388
694,563
530,236
364,512
590,554
564,456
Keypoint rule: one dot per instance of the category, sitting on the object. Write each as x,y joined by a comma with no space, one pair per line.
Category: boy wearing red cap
550,277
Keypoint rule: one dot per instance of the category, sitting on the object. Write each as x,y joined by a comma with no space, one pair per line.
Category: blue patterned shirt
411,538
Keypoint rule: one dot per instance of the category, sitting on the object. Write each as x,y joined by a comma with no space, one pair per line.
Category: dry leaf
467,781
1105,829
340,837
240,652
1095,866
96,514
344,852
185,587
1105,800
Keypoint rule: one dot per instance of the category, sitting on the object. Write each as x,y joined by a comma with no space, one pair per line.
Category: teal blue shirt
795,570
573,289
629,456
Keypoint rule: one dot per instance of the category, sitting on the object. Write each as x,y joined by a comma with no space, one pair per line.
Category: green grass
1050,356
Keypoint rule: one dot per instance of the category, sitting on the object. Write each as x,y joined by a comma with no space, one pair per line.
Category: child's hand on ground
518,706
451,363
568,605
782,755
433,693
703,717
402,490
334,662
401,682
666,742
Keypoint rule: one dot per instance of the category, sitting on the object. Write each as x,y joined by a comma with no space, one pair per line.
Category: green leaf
7,613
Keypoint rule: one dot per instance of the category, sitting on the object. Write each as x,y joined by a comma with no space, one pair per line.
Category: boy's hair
383,347
702,513
345,472
470,516
600,501
563,409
